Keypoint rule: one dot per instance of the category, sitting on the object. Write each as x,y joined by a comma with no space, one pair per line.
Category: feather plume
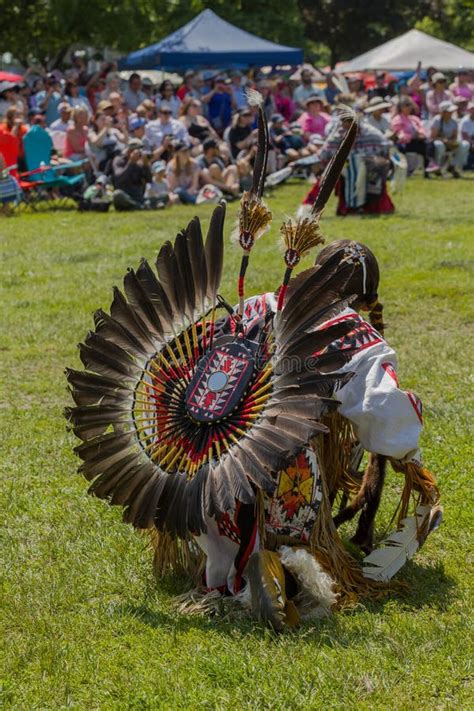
198,260
336,164
254,220
122,312
157,295
299,237
254,98
186,273
168,273
341,83
398,547
214,250
143,307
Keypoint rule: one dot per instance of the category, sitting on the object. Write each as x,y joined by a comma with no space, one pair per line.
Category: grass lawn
84,625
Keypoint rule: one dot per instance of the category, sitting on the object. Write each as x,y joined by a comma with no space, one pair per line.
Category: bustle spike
300,235
254,216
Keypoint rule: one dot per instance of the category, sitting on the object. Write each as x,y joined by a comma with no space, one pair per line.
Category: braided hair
364,281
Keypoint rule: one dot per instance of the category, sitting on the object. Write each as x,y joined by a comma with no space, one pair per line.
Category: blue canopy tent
210,41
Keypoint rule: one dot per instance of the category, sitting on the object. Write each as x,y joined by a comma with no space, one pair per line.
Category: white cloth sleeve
386,420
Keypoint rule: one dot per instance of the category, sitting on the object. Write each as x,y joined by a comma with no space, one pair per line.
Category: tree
46,29
453,21
349,27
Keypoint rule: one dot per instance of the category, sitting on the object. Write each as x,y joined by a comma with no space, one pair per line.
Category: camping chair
38,146
10,191
33,189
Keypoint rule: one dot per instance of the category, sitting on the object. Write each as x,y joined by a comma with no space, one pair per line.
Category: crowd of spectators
146,146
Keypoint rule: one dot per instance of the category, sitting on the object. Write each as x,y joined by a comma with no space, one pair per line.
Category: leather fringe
176,555
333,451
420,486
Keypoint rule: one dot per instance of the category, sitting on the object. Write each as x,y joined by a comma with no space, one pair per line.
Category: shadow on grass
428,586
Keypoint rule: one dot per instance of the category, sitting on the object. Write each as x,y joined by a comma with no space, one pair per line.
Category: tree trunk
60,54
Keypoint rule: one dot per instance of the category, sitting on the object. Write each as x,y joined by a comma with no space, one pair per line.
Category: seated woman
215,172
76,135
197,126
314,119
285,140
362,187
104,142
73,96
241,134
448,149
183,174
166,94
410,134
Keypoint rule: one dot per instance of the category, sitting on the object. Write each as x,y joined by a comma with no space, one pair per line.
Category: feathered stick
254,217
336,164
301,235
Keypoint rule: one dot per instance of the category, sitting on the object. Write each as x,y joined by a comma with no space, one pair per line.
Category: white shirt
155,132
174,103
60,125
302,92
466,125
382,124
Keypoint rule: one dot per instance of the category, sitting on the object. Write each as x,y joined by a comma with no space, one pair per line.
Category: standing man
133,95
239,98
49,99
219,105
306,89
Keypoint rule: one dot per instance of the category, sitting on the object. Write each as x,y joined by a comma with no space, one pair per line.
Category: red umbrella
8,76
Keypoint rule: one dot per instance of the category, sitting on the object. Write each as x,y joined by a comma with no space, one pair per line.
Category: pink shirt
314,124
434,98
407,127
463,90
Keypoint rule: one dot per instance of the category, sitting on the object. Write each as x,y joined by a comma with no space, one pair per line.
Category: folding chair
32,189
38,146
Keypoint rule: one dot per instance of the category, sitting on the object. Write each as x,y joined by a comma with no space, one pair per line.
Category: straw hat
377,103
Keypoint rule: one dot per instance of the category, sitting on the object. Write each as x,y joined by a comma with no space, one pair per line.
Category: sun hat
438,76
104,105
136,123
447,106
313,99
377,103
134,144
158,166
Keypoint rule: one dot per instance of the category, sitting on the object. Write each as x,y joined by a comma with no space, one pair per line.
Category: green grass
85,625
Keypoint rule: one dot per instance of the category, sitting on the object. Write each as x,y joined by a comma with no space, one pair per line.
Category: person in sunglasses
162,132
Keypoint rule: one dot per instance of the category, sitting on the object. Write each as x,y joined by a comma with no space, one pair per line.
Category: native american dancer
234,431
362,187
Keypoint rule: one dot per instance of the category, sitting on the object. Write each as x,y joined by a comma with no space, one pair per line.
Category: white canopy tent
403,54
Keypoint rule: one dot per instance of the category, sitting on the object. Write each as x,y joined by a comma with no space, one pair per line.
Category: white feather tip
254,97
